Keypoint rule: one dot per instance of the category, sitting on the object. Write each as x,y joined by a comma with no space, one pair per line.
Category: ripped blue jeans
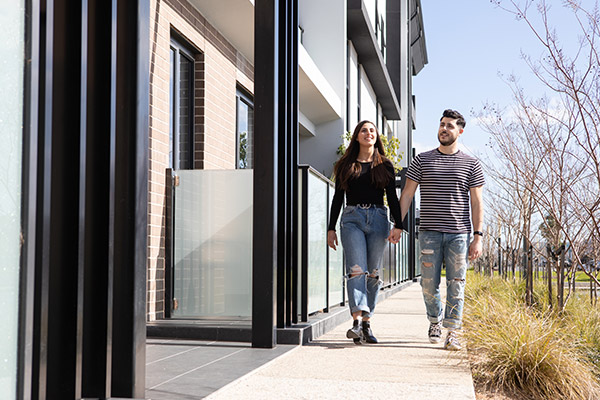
451,249
364,233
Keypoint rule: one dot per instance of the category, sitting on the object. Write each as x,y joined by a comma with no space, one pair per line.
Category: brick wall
219,68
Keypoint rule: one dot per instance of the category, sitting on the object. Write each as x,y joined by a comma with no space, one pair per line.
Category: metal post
130,179
95,258
86,187
276,117
265,228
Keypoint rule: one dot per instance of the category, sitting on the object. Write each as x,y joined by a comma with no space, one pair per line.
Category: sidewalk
403,365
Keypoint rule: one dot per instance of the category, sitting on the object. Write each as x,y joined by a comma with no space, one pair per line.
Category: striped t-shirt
445,180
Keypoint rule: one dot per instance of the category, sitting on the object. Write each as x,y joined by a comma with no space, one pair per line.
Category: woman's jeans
451,249
364,233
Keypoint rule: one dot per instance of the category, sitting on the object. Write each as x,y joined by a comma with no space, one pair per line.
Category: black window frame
245,97
358,91
179,47
348,50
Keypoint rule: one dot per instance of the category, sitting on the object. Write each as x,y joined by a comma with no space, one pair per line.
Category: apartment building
355,61
166,165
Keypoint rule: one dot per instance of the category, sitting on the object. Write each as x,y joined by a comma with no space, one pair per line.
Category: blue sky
468,44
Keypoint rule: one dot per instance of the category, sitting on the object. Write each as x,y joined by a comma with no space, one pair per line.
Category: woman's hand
332,239
395,235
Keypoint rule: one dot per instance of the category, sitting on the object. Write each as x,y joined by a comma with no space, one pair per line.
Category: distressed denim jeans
451,249
364,233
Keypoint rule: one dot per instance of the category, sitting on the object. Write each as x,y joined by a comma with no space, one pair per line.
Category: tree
391,146
551,145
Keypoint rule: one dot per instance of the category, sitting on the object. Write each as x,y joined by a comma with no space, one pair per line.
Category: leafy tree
391,146
243,150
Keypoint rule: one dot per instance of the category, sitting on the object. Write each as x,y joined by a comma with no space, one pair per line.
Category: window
348,87
245,130
380,29
181,126
358,85
382,42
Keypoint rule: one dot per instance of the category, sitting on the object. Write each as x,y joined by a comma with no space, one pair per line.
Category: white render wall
325,41
324,38
353,87
371,7
319,151
376,9
368,98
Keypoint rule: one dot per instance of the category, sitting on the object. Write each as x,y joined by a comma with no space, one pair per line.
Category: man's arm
406,197
476,193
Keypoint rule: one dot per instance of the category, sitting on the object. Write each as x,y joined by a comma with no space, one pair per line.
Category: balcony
209,286
237,27
417,38
319,102
362,35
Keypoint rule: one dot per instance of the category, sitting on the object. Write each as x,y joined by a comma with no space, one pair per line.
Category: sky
469,43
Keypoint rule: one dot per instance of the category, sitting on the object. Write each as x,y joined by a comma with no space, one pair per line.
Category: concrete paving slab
192,369
404,365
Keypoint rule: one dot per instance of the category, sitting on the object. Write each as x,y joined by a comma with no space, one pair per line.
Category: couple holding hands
451,209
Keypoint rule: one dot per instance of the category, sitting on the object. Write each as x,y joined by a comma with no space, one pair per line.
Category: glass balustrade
317,242
336,264
12,43
212,246
212,274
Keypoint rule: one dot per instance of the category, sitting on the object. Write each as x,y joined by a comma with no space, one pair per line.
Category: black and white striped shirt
445,180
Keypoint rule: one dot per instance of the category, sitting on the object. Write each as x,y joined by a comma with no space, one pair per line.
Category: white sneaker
452,342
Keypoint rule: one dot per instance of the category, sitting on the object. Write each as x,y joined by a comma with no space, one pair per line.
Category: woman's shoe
355,332
368,333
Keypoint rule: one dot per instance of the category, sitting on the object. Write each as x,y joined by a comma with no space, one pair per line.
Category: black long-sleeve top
362,191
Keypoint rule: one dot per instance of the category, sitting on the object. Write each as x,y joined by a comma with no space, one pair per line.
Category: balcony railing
321,268
212,246
211,275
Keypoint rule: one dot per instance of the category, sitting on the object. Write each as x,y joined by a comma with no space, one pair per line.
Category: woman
362,174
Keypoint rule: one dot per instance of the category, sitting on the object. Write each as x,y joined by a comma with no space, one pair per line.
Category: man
449,180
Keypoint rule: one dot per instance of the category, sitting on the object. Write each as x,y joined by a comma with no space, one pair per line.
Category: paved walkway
193,369
404,365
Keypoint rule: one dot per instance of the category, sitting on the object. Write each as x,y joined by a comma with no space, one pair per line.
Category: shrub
530,351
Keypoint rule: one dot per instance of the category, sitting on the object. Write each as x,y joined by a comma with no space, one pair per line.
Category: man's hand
395,235
476,248
332,239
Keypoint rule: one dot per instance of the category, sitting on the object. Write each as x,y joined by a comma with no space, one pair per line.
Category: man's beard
447,142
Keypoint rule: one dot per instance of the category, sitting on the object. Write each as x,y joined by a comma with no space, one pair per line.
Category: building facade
199,82
166,168
354,61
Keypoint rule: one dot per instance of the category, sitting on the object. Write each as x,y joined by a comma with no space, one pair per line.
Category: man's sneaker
368,333
355,332
452,342
435,332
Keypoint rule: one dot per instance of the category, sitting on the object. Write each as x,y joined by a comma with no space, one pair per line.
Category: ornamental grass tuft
531,351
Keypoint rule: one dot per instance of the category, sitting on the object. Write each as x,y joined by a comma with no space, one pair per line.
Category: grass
581,276
532,352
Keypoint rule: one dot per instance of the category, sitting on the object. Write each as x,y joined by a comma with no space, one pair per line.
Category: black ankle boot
368,333
355,333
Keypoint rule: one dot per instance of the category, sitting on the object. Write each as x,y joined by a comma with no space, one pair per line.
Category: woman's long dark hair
348,168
